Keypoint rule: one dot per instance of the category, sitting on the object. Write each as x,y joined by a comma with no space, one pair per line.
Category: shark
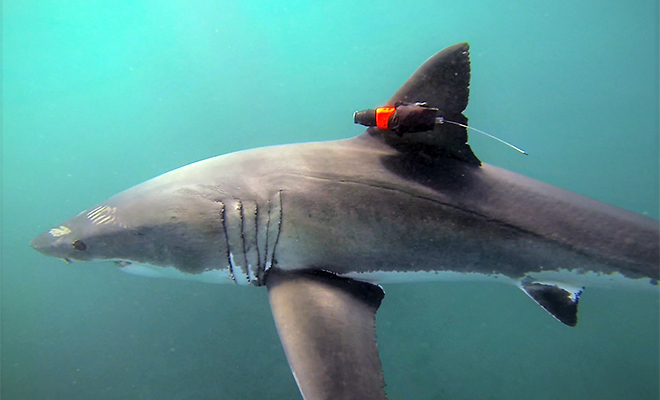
324,225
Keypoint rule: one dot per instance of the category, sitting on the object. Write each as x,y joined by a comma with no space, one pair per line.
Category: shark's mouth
122,263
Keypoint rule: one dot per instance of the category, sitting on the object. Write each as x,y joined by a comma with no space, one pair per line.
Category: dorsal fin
442,82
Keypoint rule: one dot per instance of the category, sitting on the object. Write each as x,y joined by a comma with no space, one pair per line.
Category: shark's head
84,237
155,224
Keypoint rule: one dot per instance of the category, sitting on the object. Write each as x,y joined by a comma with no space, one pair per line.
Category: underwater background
98,96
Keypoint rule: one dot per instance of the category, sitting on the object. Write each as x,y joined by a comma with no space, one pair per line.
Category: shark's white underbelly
565,278
154,271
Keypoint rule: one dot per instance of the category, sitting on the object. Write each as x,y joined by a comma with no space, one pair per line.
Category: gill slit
260,269
241,215
279,228
266,263
223,218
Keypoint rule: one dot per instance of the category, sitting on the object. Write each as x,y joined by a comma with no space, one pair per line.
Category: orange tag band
382,116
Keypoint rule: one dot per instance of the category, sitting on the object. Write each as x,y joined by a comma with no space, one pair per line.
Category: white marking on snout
59,231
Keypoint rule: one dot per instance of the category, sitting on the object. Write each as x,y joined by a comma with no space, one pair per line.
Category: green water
100,95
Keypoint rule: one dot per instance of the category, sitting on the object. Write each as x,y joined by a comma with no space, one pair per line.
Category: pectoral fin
327,326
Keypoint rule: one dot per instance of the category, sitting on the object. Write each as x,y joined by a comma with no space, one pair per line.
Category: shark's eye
79,245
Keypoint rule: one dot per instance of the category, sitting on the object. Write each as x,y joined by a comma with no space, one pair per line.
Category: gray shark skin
322,224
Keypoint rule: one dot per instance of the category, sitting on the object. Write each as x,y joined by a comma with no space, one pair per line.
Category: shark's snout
41,243
45,243
55,242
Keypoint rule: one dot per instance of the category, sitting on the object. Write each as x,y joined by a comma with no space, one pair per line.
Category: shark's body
321,224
